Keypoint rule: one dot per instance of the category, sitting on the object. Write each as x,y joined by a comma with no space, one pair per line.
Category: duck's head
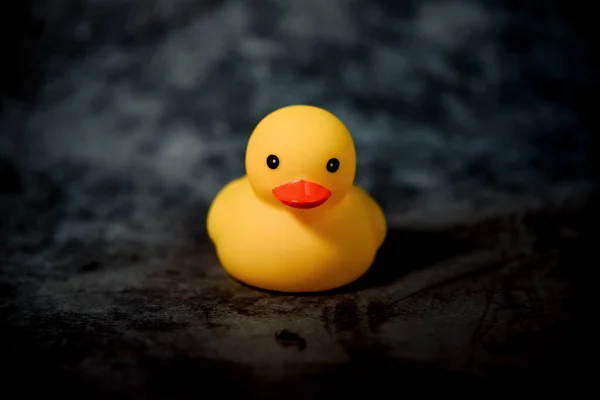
301,157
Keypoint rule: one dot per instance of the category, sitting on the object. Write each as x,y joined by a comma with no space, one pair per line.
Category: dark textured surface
121,119
491,300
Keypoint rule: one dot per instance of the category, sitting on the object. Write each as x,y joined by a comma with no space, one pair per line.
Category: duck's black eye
333,165
273,161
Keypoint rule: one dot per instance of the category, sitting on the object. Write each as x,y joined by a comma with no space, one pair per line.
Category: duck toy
296,222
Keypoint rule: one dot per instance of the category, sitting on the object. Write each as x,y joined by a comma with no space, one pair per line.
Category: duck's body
294,251
296,222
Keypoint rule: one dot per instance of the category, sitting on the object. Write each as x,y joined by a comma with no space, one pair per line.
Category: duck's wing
376,215
220,211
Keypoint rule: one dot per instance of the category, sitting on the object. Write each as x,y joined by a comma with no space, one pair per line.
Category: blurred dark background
121,119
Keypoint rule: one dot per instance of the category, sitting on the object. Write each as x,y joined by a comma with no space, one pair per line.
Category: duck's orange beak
302,194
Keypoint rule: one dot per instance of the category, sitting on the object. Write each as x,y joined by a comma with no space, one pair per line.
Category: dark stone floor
120,120
490,302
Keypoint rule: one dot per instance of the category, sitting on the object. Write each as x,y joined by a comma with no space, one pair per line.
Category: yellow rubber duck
296,222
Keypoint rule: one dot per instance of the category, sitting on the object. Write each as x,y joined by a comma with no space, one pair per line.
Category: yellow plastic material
295,223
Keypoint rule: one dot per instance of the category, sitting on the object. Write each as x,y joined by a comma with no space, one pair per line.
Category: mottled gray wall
444,97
